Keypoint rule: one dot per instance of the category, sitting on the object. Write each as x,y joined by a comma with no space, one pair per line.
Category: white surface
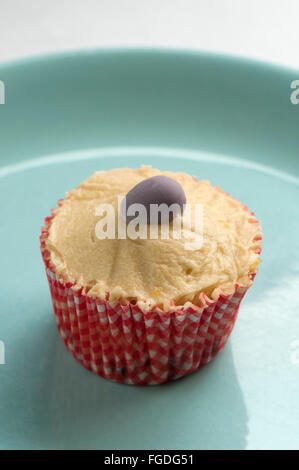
263,29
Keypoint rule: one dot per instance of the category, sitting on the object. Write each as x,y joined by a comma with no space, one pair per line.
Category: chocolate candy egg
150,194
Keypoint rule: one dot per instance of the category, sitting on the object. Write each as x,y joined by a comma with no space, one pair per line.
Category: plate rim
154,50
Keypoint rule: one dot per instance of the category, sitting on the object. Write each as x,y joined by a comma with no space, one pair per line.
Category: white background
262,29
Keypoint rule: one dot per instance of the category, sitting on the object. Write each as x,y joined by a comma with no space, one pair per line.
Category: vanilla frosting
153,272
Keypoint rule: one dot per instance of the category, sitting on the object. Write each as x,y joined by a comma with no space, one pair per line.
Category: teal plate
224,119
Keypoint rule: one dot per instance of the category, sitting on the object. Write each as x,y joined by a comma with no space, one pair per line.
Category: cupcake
144,297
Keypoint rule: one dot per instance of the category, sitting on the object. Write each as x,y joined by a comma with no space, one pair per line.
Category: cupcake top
159,271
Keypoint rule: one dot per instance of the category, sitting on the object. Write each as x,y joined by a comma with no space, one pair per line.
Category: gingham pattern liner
125,344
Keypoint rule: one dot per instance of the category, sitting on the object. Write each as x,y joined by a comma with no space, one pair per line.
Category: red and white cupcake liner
128,345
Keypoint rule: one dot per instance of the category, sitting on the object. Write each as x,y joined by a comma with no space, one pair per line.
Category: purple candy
155,190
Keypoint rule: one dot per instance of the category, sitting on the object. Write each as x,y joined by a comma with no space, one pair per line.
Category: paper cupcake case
128,345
